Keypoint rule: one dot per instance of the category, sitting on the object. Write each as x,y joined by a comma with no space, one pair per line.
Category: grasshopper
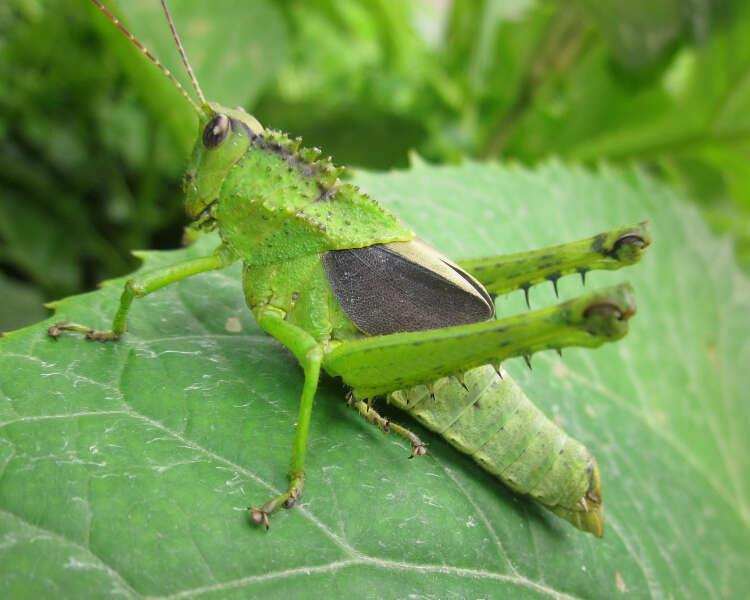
349,289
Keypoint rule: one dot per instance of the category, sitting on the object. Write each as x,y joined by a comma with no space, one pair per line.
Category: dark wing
404,286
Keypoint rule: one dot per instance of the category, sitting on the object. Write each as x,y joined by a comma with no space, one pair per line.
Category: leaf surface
125,468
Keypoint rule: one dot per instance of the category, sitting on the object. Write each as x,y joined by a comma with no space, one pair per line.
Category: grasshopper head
224,135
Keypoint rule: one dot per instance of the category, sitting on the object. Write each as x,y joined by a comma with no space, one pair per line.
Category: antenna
155,60
185,60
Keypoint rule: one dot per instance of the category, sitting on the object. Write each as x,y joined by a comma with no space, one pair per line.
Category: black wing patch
383,292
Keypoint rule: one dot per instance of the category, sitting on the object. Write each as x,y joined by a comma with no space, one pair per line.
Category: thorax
277,204
299,287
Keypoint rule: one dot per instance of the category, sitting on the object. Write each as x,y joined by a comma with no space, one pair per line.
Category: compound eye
216,131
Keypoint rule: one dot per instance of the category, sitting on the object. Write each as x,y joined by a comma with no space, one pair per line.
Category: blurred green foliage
93,138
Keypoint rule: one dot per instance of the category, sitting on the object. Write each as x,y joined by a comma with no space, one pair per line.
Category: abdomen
490,418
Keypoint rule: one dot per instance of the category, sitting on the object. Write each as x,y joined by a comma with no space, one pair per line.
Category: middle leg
310,356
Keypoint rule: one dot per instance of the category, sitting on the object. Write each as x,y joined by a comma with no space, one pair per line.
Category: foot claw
418,450
286,500
259,516
56,330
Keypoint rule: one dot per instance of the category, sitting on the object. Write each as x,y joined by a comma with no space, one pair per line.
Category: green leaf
688,116
639,32
125,467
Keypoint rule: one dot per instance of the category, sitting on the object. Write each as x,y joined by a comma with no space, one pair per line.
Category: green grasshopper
349,289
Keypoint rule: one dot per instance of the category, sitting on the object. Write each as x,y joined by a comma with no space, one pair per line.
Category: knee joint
135,288
313,357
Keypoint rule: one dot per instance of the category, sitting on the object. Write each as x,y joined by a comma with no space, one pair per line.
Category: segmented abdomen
491,419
